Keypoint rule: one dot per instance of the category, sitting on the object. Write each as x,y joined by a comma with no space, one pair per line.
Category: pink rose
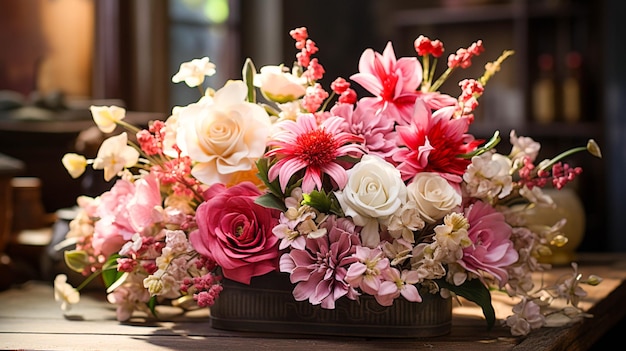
236,232
492,250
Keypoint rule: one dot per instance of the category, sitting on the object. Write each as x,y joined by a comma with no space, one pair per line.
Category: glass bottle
543,91
571,88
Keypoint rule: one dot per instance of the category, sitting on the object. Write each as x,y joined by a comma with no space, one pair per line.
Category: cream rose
435,197
374,192
224,137
279,85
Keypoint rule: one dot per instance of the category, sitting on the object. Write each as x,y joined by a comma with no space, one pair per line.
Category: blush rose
434,196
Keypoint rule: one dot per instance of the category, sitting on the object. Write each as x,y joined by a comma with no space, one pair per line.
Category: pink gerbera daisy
305,144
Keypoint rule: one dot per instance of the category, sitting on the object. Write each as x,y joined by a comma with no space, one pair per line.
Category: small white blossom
65,293
488,176
114,155
527,316
75,164
523,146
194,71
403,225
107,117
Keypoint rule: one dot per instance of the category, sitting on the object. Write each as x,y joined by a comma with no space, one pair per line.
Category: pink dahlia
433,143
305,144
492,250
320,269
394,82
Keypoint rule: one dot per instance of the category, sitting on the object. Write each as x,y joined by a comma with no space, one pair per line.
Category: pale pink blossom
367,272
527,317
129,297
398,284
144,208
126,209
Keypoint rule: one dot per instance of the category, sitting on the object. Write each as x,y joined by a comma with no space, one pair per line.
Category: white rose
224,138
435,197
374,192
279,85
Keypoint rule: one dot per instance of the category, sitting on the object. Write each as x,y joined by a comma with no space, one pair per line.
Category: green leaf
152,303
121,278
271,201
76,260
274,187
493,142
475,291
109,271
318,200
248,73
270,110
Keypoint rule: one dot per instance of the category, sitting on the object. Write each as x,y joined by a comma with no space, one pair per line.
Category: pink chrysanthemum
304,144
433,143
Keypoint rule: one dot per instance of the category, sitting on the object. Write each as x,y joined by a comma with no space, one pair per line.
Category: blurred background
565,83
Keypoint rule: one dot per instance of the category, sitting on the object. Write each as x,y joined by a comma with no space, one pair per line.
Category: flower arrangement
347,196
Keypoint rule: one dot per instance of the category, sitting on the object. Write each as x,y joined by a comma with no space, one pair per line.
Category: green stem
432,71
128,126
332,95
441,79
89,279
562,156
427,76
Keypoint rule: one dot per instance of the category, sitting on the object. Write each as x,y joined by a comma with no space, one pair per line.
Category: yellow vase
570,207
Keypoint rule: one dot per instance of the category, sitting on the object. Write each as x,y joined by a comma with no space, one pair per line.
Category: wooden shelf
557,130
516,10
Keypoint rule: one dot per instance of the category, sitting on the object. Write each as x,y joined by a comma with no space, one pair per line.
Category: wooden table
31,319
